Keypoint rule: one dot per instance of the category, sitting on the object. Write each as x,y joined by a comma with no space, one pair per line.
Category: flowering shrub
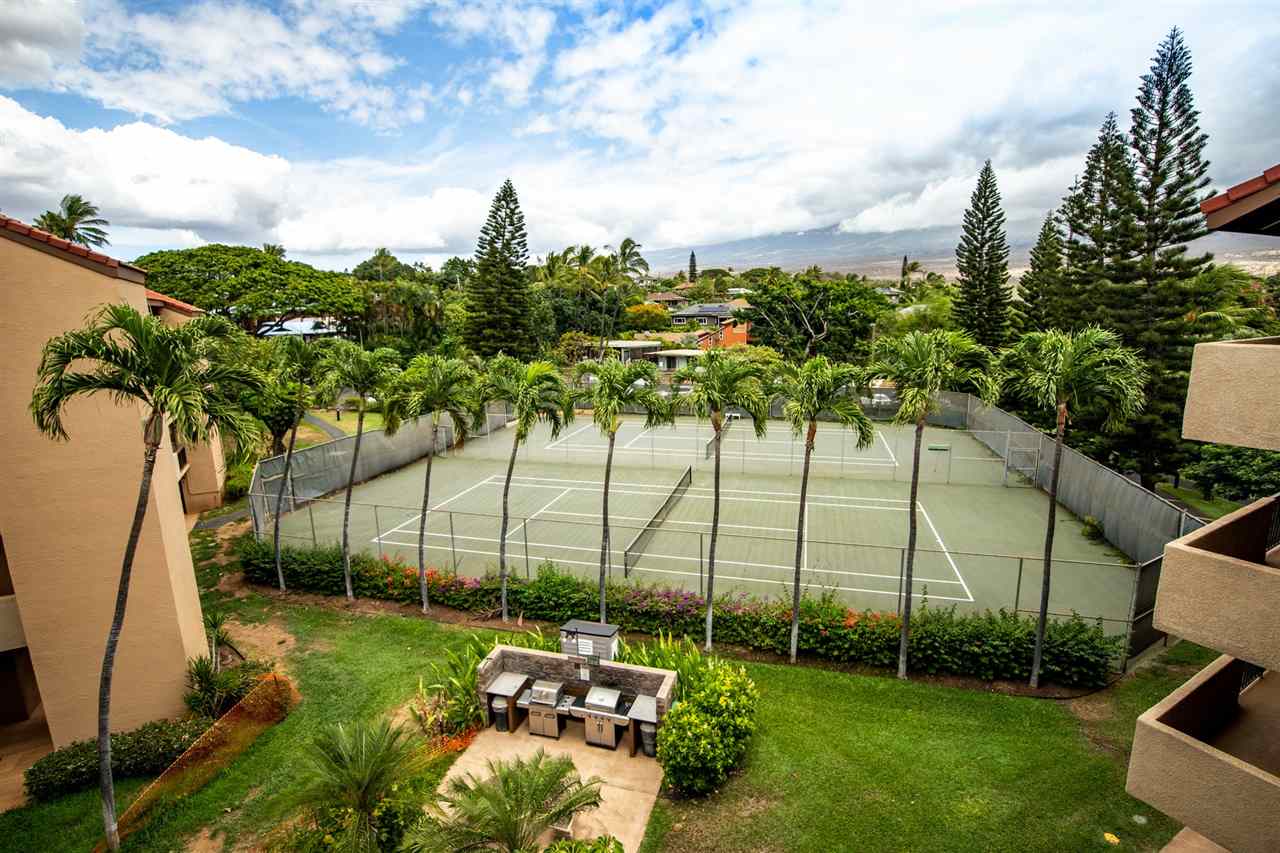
705,735
988,646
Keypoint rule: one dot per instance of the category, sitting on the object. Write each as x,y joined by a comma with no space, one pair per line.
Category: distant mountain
880,253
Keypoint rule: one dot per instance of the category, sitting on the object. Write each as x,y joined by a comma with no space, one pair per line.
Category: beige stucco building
1208,755
66,507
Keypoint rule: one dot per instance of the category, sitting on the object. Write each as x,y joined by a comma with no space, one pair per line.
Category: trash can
500,708
649,739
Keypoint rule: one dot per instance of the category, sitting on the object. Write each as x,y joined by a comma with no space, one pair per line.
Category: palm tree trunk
804,491
715,529
911,553
604,526
502,530
346,509
106,785
422,522
1043,619
284,482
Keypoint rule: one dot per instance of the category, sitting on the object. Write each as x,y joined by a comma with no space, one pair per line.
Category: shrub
695,758
212,692
1093,530
988,646
145,751
237,482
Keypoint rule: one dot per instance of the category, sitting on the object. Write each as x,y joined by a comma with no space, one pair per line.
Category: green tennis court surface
980,526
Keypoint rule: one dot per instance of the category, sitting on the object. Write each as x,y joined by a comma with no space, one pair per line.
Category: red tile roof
110,265
1241,190
173,304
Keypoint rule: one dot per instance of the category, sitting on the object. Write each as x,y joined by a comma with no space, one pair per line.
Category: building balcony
1208,756
1233,394
1220,585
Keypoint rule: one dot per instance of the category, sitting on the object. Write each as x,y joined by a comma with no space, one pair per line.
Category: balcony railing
1208,756
1233,394
1220,585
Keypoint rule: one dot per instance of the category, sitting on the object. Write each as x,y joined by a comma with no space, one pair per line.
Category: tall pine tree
498,304
1171,176
1100,280
693,268
1040,288
982,304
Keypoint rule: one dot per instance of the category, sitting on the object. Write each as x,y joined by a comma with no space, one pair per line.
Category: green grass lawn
840,761
1207,509
372,420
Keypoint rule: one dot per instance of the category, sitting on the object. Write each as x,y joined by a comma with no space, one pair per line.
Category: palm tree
921,365
297,361
181,380
815,387
536,392
369,374
612,387
275,250
508,811
1067,372
357,768
436,386
630,261
720,381
76,220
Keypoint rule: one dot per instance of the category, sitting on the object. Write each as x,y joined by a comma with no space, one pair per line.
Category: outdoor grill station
583,682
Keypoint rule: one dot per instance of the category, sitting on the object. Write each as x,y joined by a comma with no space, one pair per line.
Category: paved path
630,783
331,430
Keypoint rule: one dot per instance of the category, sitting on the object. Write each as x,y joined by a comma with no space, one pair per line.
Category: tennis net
711,445
632,553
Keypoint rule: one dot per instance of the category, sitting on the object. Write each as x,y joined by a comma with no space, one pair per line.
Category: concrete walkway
630,783
331,430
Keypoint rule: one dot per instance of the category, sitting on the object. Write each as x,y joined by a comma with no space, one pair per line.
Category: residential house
674,359
717,318
889,292
668,299
633,349
67,509
1208,755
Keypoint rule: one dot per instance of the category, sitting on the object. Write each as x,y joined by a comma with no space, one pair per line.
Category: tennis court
980,527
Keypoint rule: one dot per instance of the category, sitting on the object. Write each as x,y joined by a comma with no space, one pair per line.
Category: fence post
453,548
1017,590
524,529
377,529
702,539
311,513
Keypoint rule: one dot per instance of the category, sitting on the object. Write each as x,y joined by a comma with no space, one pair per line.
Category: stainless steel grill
546,692
603,699
544,715
601,716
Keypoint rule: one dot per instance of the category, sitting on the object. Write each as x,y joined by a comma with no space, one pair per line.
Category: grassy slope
372,420
1208,509
847,762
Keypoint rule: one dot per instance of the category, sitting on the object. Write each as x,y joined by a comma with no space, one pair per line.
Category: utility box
594,641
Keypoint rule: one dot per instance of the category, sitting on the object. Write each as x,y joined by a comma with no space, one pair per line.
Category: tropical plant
352,776
508,811
439,387
180,379
215,629
612,387
369,375
275,250
921,365
212,691
720,381
1070,372
536,393
76,220
815,387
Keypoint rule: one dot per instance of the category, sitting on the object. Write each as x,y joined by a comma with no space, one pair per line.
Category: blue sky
337,126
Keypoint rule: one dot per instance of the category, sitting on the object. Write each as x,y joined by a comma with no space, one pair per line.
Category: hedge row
145,751
988,646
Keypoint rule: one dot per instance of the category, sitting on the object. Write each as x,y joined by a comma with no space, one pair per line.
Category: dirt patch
205,841
264,641
1092,708
233,584
225,536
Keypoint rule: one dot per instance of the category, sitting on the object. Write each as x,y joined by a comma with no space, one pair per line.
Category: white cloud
36,35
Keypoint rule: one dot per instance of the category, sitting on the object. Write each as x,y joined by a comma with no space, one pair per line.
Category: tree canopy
810,314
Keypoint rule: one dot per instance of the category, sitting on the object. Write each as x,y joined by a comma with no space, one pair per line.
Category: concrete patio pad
630,783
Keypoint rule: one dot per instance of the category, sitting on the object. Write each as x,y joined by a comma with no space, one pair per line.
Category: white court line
754,457
670,521
562,439
880,435
639,436
650,555
663,489
536,514
449,500
943,546
556,484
